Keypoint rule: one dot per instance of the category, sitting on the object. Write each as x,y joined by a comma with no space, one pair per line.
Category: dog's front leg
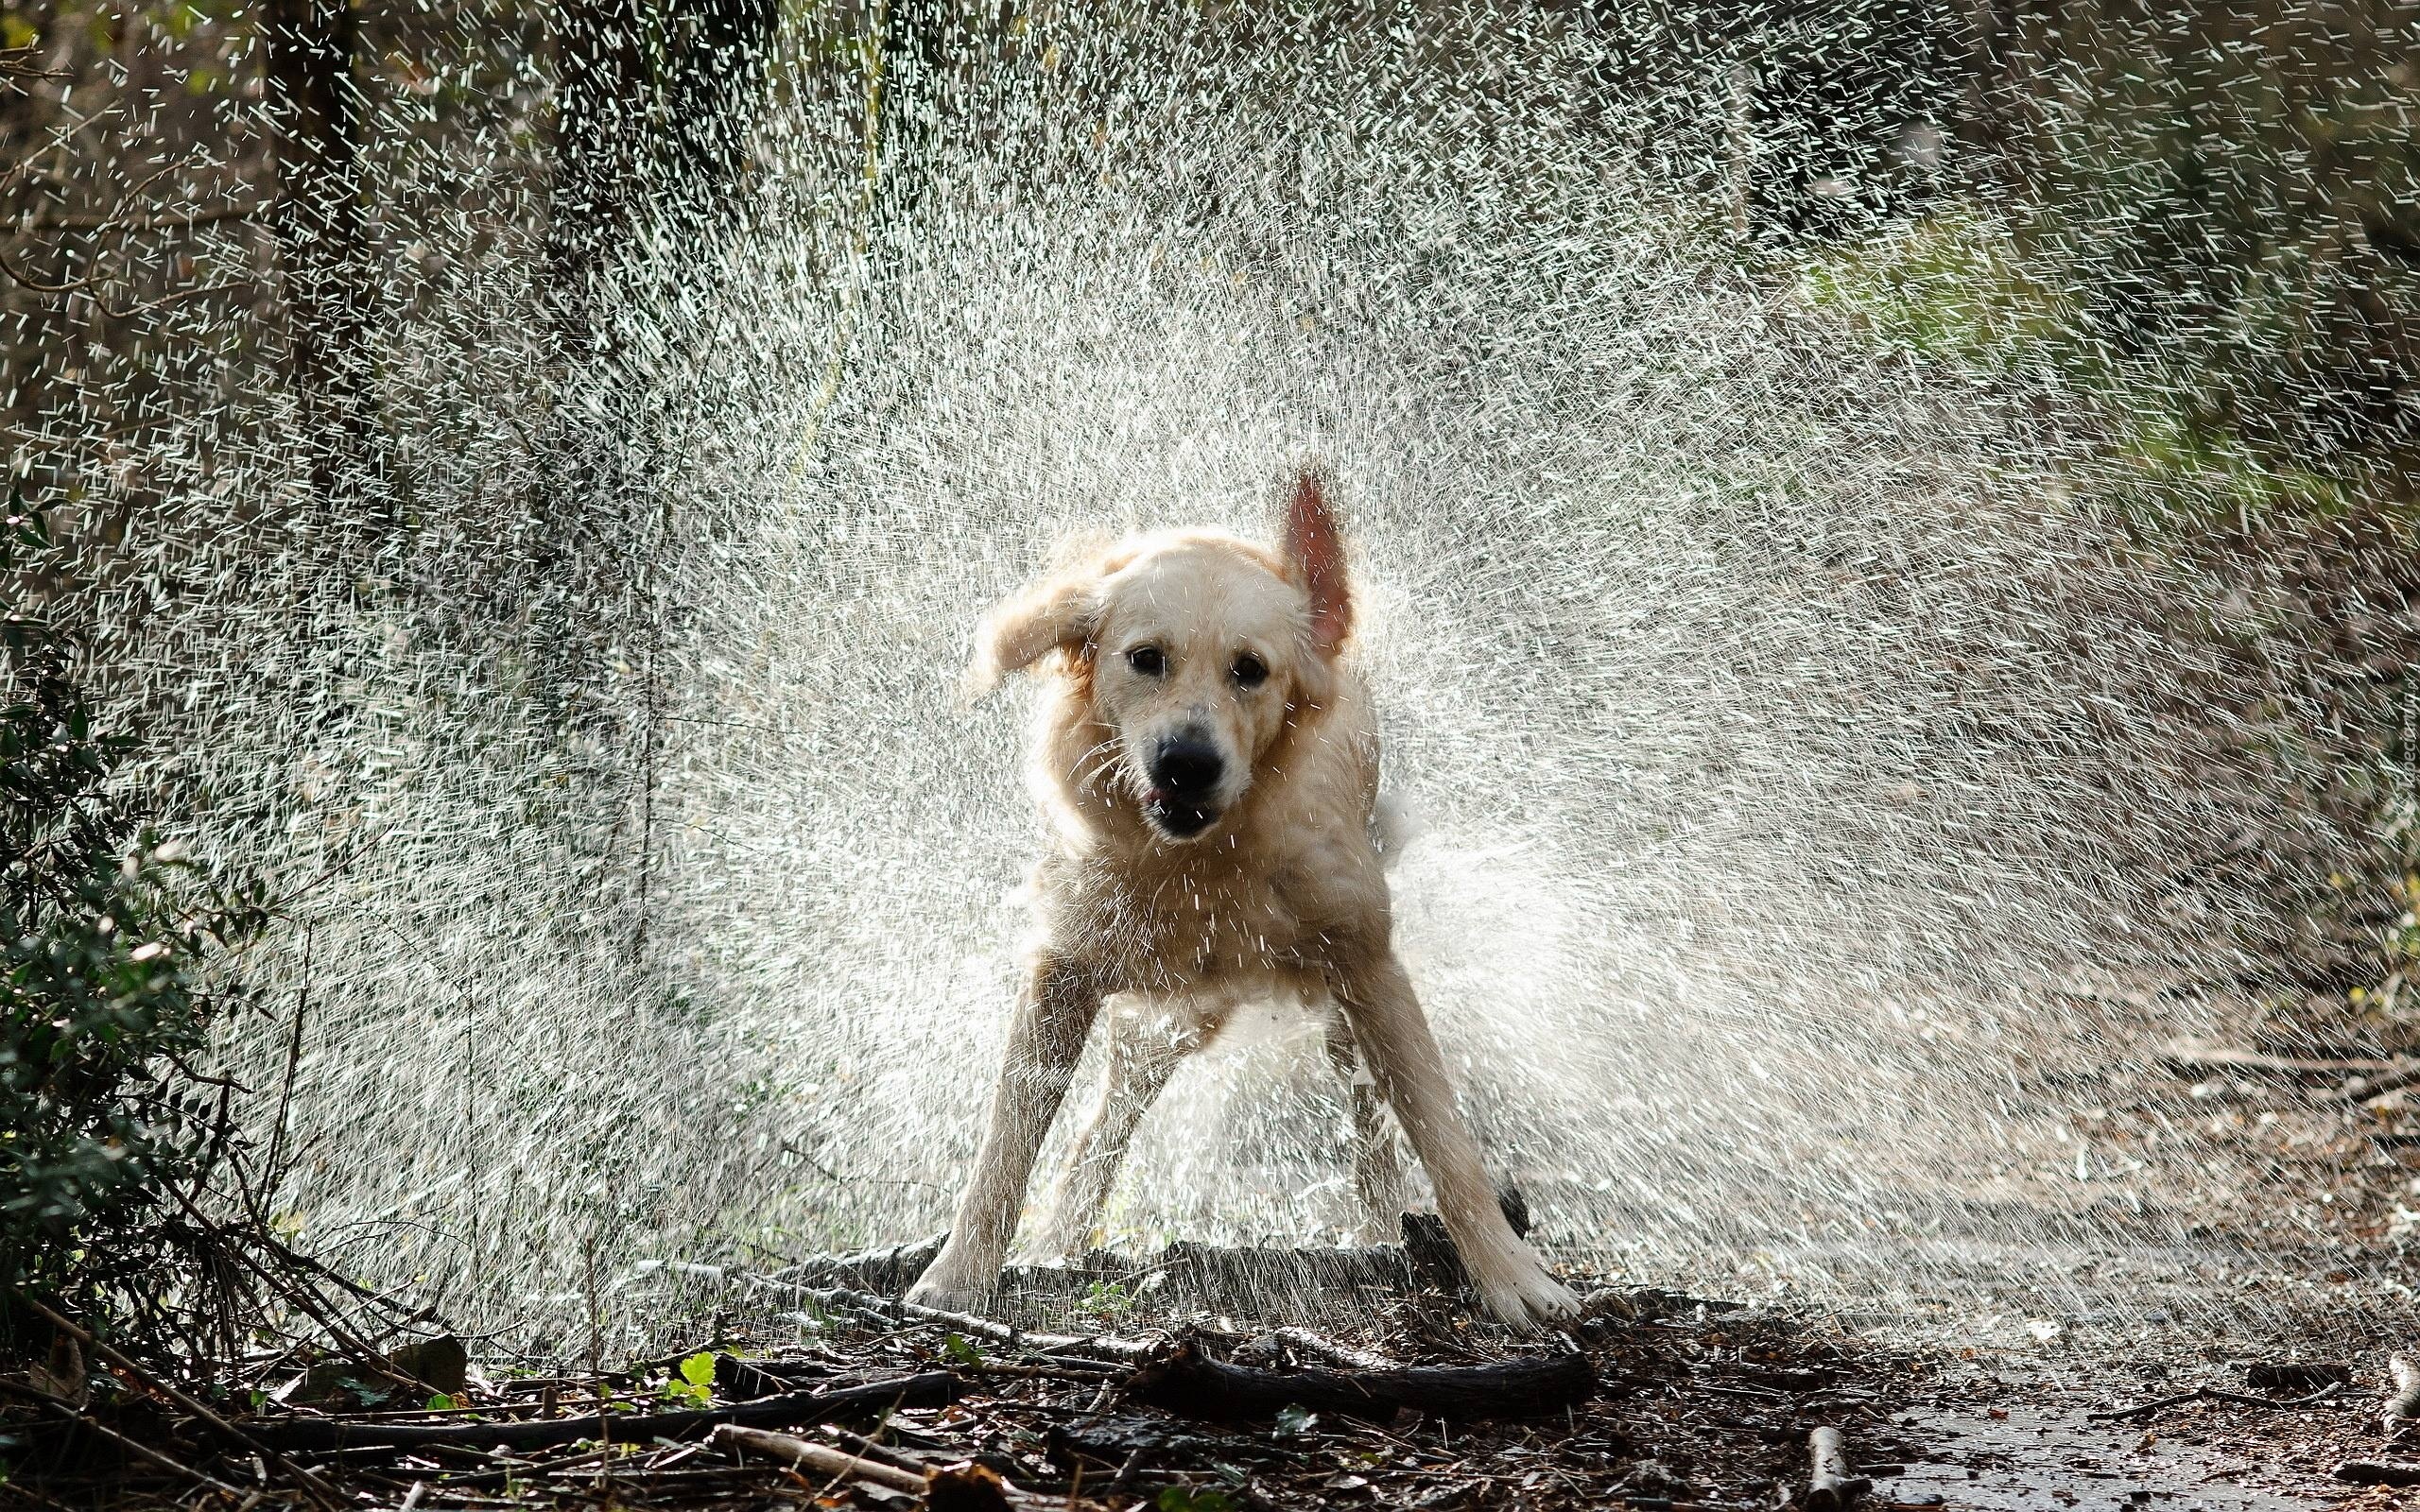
1055,1011
1379,1002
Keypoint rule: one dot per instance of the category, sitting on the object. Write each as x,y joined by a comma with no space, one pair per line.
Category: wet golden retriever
1208,764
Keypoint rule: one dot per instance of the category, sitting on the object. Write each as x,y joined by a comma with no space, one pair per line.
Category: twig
307,1301
1124,1352
318,1488
931,1388
143,1452
596,1346
1071,1372
2365,1088
158,221
2186,1055
293,1060
737,1441
39,288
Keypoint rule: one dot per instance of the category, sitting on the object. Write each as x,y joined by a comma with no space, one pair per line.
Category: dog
1208,766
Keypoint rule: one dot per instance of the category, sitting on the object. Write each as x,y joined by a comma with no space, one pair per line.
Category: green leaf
698,1370
959,1350
441,1402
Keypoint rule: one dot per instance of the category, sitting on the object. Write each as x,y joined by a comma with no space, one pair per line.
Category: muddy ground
1688,1403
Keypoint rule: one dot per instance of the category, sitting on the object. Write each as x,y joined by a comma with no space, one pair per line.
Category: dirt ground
1691,1404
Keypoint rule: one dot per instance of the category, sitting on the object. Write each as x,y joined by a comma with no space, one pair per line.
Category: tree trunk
309,48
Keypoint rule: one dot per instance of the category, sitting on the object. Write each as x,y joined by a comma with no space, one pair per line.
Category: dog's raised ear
1058,611
1314,552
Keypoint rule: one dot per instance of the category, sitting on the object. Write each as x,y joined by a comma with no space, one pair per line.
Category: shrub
107,996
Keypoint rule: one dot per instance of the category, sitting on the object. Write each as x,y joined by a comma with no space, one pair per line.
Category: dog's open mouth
1176,817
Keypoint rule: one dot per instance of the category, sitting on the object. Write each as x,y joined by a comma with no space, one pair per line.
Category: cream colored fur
1280,898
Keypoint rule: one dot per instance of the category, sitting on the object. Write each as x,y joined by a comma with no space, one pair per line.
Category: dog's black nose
1187,768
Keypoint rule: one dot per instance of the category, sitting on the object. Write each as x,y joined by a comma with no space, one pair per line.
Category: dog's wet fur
1208,764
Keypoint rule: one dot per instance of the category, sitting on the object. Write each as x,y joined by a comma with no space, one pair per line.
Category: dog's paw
1521,1295
943,1297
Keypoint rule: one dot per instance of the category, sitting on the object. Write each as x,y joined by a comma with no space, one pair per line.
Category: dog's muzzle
1182,798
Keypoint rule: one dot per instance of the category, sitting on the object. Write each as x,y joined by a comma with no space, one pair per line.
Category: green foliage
2236,187
696,1381
1961,287
1107,1299
1186,1499
956,1348
1953,287
107,995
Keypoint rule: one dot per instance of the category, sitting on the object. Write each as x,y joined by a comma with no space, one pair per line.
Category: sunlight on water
1788,727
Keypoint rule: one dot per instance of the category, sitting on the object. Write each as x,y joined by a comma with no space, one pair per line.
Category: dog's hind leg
1144,1053
1055,1011
1378,1182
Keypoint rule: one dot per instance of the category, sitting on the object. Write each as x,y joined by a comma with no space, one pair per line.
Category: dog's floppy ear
1058,611
1314,553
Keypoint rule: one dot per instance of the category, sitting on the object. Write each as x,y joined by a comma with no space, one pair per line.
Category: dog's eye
1250,671
1148,660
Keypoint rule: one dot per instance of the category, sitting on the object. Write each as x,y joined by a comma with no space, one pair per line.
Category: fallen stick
1829,1485
2378,1472
2363,1089
2214,1394
932,1389
738,1442
313,1486
2187,1057
2396,1416
1190,1382
1124,1352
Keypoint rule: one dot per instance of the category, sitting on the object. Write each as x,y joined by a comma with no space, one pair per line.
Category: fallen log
2295,1375
890,1268
1274,1348
2378,1472
964,1487
2404,1405
1829,1485
1190,1382
932,1389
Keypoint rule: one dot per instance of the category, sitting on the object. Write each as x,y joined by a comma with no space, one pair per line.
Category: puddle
2048,1461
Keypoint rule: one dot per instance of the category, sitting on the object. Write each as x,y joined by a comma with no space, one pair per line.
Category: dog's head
1194,652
